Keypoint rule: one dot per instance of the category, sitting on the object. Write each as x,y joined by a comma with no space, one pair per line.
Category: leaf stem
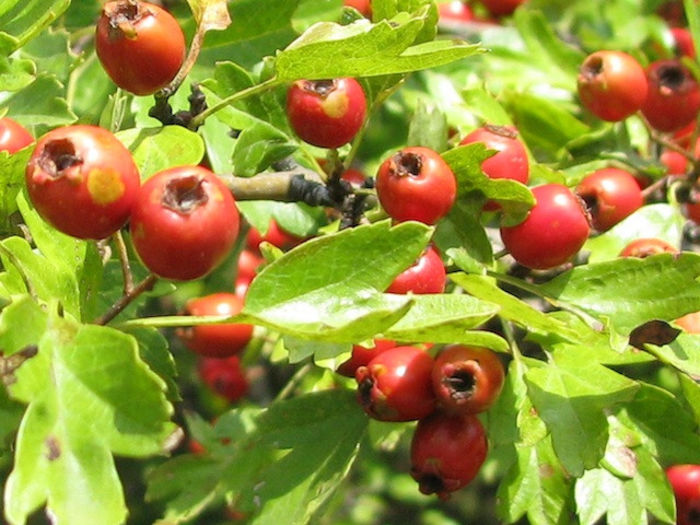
23,275
238,95
126,299
124,260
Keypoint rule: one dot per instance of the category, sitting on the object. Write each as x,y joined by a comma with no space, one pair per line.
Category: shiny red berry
447,451
611,194
13,136
673,100
467,379
362,355
555,229
395,385
225,376
685,481
427,275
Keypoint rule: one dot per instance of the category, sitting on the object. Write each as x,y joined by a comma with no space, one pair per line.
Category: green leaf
447,318
12,168
514,198
428,127
649,414
41,105
296,218
462,231
329,288
282,464
16,73
691,391
631,291
536,486
328,50
683,353
23,20
571,395
156,149
88,396
512,308
662,221
257,147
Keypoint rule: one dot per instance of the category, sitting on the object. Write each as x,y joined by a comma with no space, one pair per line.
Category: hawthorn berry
184,222
683,41
415,184
645,247
13,136
673,99
216,340
361,356
83,181
685,481
363,6
467,379
501,7
447,451
455,11
427,275
274,235
612,85
140,45
326,113
395,385
553,231
224,376
510,160
611,194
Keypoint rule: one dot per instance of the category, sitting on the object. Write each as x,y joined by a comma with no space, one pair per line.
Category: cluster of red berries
83,181
444,394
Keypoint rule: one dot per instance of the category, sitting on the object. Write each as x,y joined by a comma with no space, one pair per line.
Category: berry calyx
673,99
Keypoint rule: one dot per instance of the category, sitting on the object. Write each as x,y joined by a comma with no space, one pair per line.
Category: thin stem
238,95
190,60
18,265
294,382
124,260
126,299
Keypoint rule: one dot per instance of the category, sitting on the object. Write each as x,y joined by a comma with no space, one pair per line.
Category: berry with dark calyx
673,99
326,113
140,45
645,247
184,222
362,355
611,194
224,376
612,85
415,184
427,275
510,160
554,230
216,340
447,451
685,482
83,181
13,136
395,385
467,379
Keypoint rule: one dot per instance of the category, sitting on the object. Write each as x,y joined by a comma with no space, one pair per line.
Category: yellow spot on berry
105,186
336,104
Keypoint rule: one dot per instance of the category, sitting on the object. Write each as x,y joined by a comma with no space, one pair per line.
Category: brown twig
126,299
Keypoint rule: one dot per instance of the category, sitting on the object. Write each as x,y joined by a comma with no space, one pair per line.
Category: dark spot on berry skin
58,156
185,194
592,67
364,391
321,87
408,164
429,483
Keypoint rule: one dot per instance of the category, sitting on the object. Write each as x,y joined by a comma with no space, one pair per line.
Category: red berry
467,379
83,181
395,385
225,376
326,113
361,356
415,184
13,136
612,85
184,222
216,340
685,481
673,99
501,7
274,235
683,42
553,232
645,247
363,6
455,11
447,451
611,194
510,160
140,45
427,275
